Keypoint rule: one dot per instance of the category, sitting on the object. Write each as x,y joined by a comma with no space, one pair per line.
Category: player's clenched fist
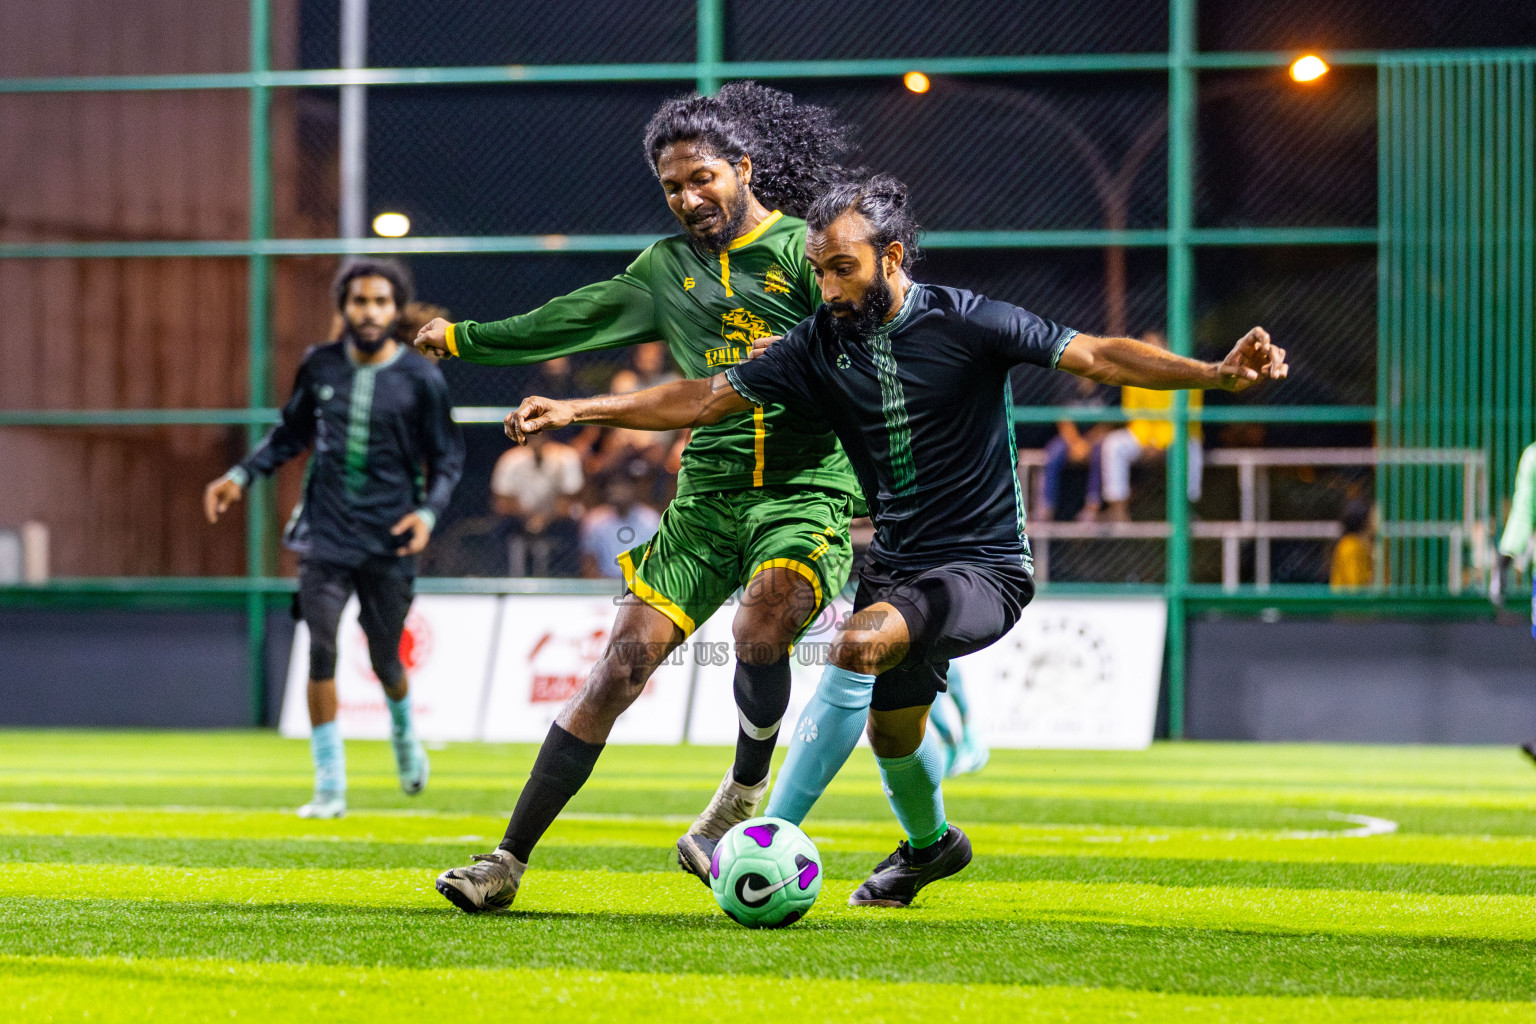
537,415
1252,359
432,339
219,495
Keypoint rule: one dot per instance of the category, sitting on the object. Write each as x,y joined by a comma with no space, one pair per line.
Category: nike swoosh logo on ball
752,895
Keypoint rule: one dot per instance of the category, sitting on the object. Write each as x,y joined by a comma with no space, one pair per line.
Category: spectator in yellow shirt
1142,439
1353,563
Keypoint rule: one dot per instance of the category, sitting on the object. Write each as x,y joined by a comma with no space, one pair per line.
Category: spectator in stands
1353,561
641,453
652,366
1075,444
620,524
535,488
1144,440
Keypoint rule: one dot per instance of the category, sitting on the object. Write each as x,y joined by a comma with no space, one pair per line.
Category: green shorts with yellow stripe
709,545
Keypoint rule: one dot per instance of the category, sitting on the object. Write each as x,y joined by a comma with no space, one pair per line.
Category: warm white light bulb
392,225
916,81
1308,69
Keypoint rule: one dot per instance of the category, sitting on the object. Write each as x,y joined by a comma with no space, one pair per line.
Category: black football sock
762,696
563,766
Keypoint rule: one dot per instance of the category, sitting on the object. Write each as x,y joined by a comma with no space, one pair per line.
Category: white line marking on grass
1368,826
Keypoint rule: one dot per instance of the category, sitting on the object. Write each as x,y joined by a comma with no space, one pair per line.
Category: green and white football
766,873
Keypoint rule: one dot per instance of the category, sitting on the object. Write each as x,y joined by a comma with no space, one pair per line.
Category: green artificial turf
163,875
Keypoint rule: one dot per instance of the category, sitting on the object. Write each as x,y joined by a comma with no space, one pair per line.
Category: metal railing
1467,538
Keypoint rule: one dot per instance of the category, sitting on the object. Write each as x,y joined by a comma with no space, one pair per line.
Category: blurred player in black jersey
913,379
386,457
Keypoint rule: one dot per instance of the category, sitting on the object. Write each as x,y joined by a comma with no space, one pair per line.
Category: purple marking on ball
762,834
808,875
714,863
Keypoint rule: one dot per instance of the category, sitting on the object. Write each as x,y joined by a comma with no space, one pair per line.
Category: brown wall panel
110,37
121,501
123,166
126,334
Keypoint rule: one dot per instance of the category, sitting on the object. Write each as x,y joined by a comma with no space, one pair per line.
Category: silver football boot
490,883
732,804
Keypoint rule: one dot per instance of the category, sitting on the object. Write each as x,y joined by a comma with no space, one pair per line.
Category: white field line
1366,826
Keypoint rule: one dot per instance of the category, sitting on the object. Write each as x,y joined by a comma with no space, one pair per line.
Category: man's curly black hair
393,271
797,149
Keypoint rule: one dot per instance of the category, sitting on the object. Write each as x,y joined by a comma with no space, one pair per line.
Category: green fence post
258,286
711,44
1182,85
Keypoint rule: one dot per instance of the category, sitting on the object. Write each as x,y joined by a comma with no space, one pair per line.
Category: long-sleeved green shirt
1522,511
708,309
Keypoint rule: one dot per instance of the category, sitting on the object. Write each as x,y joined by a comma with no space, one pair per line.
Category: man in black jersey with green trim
764,501
913,379
386,456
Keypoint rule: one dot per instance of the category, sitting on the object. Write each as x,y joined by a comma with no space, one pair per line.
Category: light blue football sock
938,721
400,723
956,684
913,785
330,758
824,735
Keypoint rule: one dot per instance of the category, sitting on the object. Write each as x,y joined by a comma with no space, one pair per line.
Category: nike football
765,873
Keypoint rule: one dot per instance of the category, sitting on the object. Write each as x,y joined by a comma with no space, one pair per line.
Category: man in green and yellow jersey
764,498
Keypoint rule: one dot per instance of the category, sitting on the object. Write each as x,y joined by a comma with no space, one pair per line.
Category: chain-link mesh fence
821,29
1365,25
1319,301
1065,151
1277,153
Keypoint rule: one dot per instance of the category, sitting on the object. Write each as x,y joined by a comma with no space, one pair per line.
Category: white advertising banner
545,649
1071,674
446,651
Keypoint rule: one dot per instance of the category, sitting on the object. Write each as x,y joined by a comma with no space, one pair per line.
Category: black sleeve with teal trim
1018,335
294,432
781,375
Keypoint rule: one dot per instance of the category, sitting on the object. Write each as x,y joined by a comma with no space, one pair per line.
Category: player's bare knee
891,739
858,650
763,635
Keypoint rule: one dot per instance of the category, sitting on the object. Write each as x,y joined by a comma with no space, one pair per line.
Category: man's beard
866,318
727,227
362,344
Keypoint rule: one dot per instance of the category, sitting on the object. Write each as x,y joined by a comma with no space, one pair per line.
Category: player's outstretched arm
682,403
606,314
1125,361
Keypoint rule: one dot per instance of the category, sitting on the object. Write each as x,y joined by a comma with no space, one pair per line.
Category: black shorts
384,590
950,611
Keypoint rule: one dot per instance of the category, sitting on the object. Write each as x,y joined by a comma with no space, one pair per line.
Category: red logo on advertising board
416,643
560,663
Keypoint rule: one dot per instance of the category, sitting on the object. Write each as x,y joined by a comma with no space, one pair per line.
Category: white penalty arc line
1366,826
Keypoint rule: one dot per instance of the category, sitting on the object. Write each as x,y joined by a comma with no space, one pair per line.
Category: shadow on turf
891,946
1446,879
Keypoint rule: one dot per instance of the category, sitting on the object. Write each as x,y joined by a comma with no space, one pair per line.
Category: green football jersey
708,309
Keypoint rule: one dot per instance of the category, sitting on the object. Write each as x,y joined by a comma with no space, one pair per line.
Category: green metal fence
1418,322
1458,253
